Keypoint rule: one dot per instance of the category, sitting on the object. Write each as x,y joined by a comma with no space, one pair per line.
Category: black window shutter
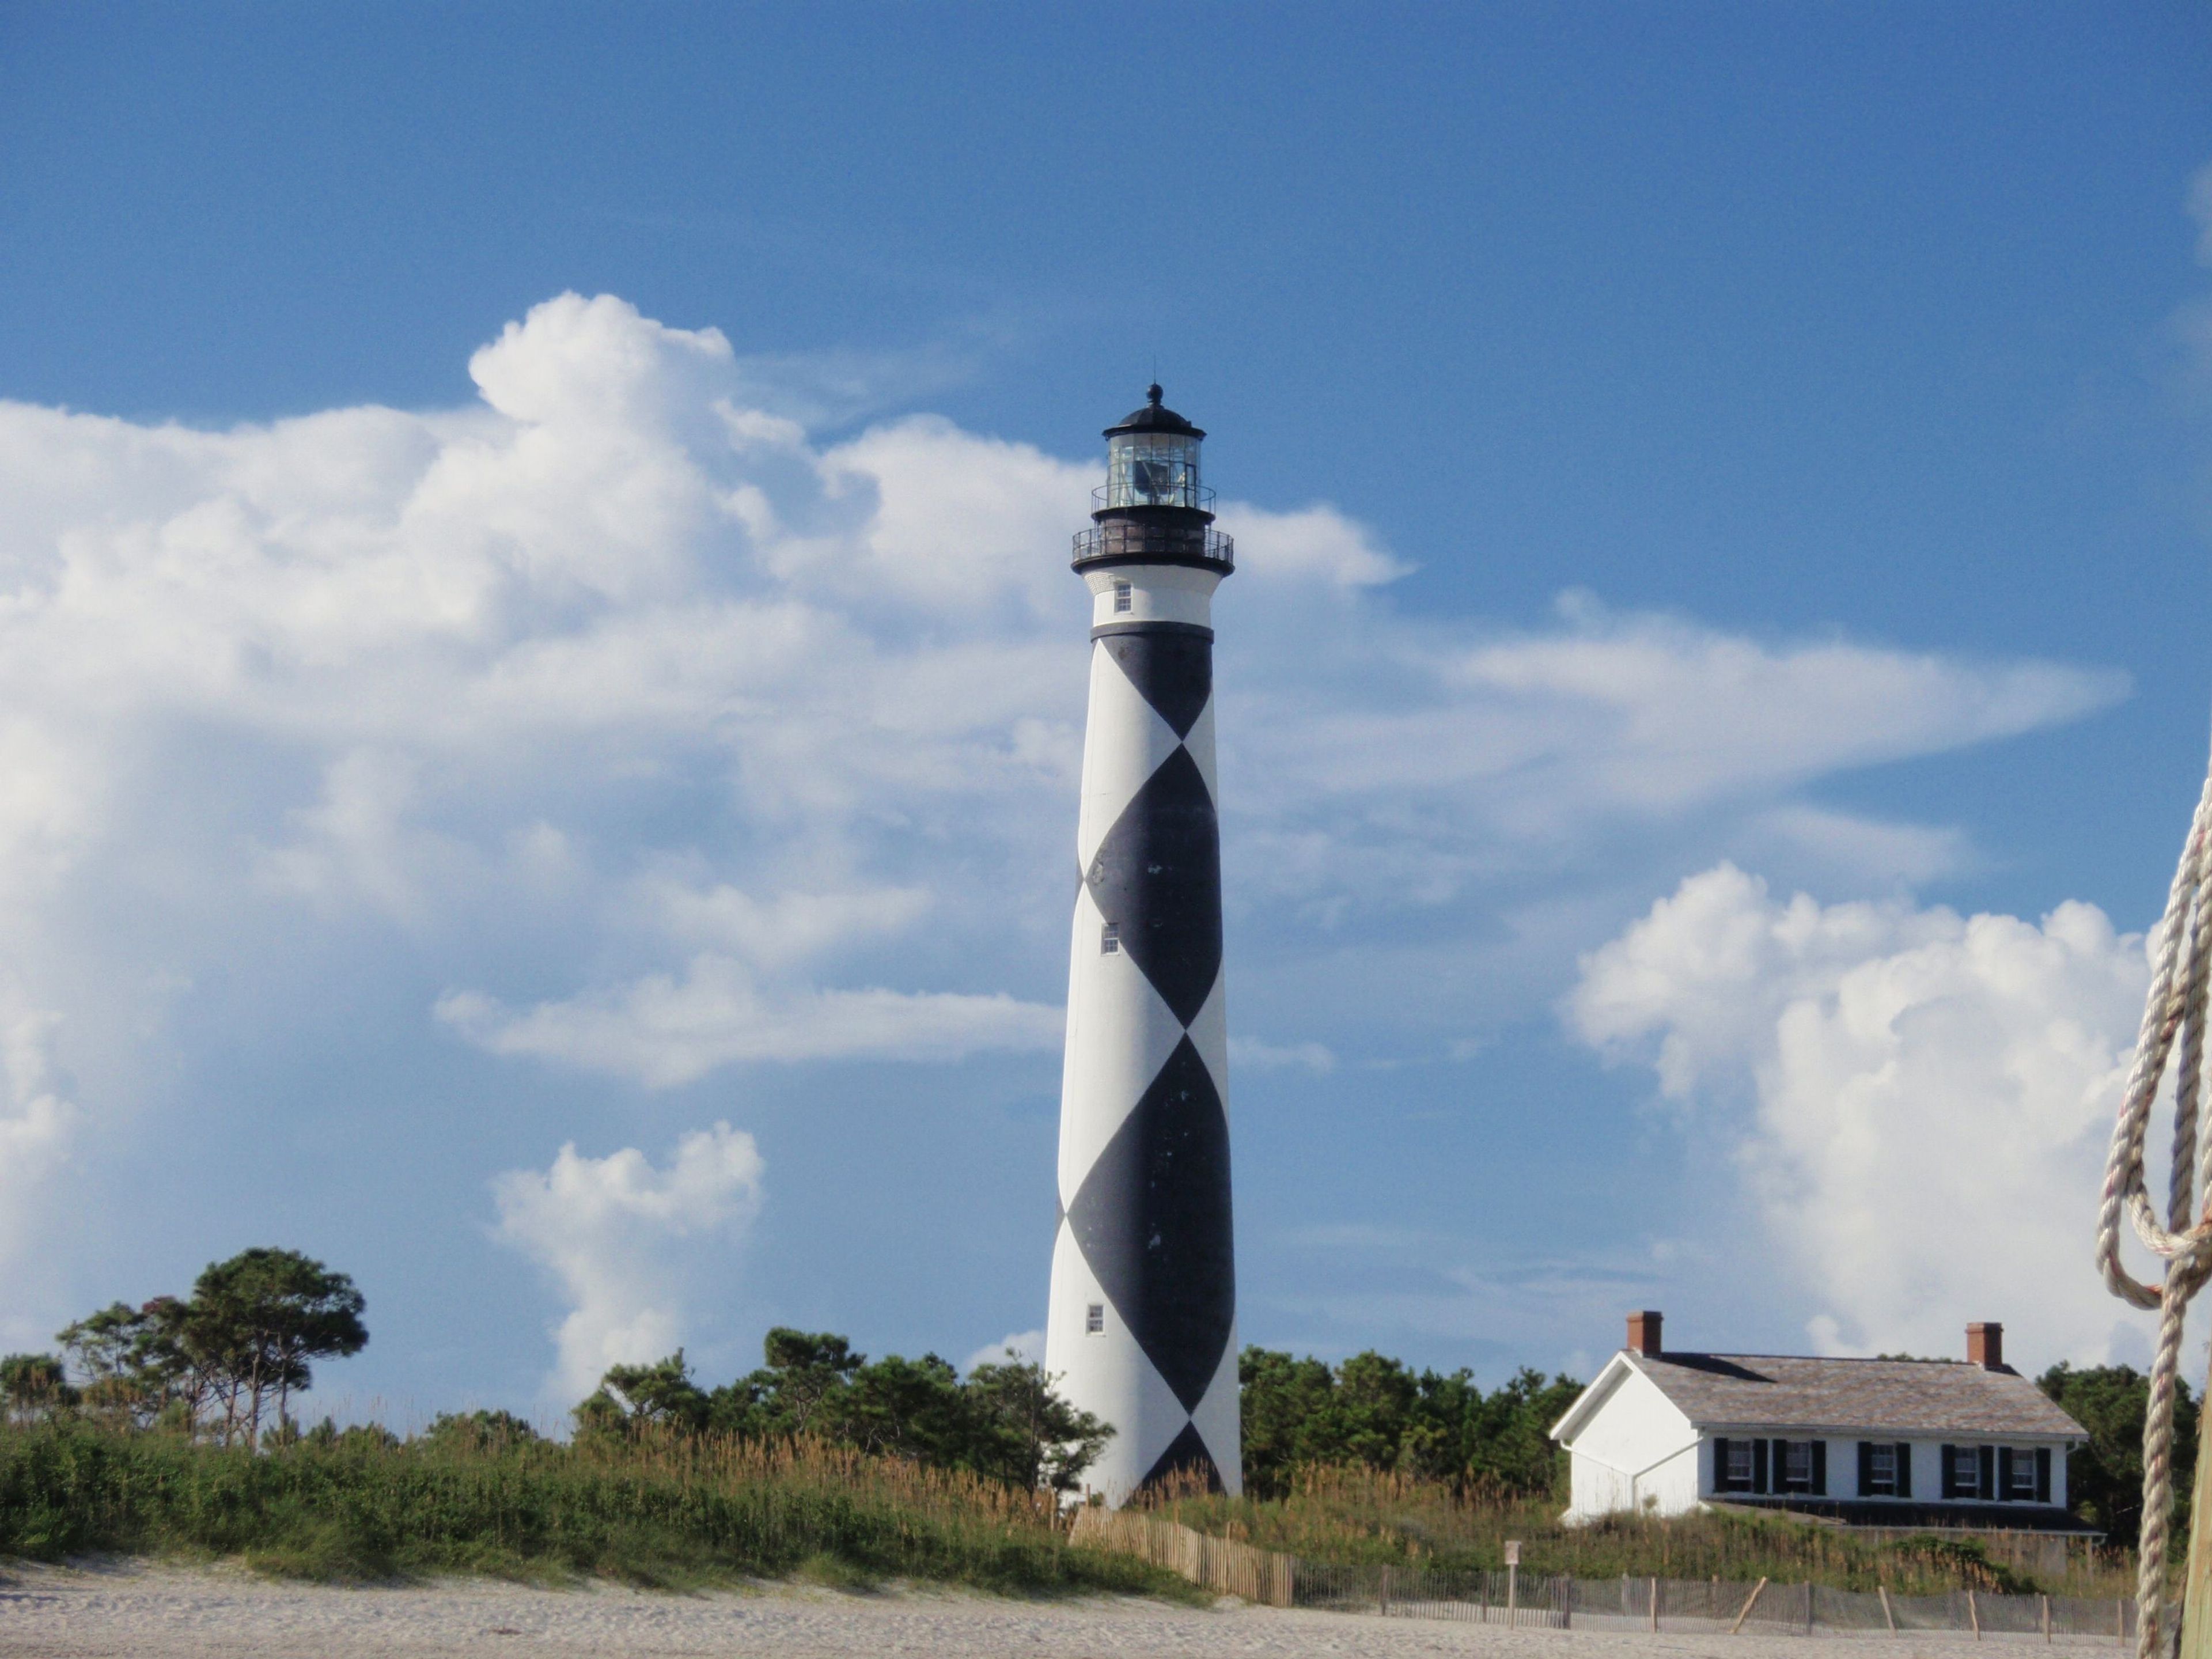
1819,1469
1949,1471
1866,1467
1720,1464
1758,1466
2043,1474
1905,1469
1988,1472
1778,1465
2002,1488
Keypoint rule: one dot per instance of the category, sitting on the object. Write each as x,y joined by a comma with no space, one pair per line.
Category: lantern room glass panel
1152,468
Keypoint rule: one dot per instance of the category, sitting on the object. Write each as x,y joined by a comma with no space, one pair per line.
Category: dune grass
1357,1516
672,1513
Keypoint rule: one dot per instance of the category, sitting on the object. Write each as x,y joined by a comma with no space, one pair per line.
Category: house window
1121,596
1797,1465
1109,939
2020,1483
1735,1465
1965,1470
1094,1319
1881,1471
1885,1468
1801,1466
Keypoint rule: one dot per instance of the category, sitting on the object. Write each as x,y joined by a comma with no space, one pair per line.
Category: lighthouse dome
1152,417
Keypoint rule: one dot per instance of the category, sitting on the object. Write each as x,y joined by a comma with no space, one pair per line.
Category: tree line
1377,1412
1002,1420
217,1362
1005,1421
2104,1479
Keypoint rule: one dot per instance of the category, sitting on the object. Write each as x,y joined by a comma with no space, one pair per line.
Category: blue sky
1682,457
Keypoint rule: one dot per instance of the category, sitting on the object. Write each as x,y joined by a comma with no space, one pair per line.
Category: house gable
1599,1390
1623,1419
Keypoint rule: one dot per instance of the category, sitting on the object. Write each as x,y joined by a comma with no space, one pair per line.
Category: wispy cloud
1269,1056
665,1032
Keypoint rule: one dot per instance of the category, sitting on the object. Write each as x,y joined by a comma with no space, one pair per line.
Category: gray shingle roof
1902,1397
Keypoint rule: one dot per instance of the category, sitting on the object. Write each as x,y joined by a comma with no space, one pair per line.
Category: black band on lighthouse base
1196,630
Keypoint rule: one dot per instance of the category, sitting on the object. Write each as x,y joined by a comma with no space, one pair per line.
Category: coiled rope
2175,1007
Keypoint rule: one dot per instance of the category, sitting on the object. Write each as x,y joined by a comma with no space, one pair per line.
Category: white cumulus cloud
611,1231
38,1126
1918,1101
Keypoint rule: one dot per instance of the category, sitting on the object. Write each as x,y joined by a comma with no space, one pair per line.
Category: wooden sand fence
1542,1601
1277,1580
1233,1568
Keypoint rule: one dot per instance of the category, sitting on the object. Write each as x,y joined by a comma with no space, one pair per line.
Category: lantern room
1152,459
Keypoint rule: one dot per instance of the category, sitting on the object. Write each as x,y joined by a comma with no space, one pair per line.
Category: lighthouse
1142,1330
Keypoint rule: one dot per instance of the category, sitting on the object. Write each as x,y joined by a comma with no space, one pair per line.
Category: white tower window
1109,939
1094,1319
1121,596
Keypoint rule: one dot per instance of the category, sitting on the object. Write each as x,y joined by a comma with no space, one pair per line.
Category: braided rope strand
2181,982
2162,1014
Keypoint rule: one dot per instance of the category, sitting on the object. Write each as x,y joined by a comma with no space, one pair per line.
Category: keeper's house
1887,1443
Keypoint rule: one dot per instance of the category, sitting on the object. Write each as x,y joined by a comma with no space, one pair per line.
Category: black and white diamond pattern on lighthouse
1187,1455
1119,1034
1152,1220
1157,877
1210,1032
1128,741
1146,1414
1145,1234
1215,1418
1172,671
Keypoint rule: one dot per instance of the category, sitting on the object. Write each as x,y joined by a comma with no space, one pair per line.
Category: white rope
2175,1007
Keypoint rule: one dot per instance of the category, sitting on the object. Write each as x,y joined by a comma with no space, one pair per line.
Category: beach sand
137,1611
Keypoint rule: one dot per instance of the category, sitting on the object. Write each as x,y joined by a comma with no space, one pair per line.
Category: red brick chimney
1985,1345
1643,1332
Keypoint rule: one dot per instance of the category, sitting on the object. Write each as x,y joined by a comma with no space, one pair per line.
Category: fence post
1749,1601
1748,1604
1655,1604
1974,1615
1887,1617
1809,1607
1383,1606
2046,1618
1513,1594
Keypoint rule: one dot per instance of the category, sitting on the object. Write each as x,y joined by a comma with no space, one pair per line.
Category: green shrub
656,1510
